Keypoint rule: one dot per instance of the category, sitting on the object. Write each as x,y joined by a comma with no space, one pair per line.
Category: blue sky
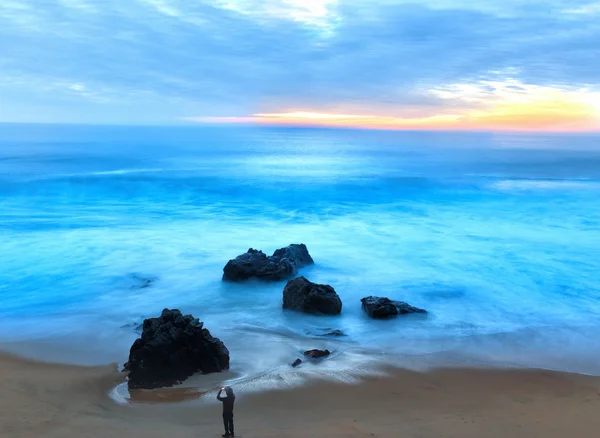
171,61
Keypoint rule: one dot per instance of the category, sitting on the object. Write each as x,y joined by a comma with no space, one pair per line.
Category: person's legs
226,423
231,424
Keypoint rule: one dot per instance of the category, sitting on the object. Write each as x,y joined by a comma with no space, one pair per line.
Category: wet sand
62,401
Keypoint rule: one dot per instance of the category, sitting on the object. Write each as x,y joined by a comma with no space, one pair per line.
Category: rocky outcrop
172,348
296,363
284,263
382,307
308,297
317,354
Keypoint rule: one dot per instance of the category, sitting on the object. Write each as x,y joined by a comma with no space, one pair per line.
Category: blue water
497,235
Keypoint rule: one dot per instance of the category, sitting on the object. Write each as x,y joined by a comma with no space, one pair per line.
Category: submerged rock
141,282
316,354
334,333
296,363
382,307
308,297
284,263
172,348
325,332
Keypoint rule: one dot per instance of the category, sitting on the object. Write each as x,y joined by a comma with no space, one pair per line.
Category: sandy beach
63,401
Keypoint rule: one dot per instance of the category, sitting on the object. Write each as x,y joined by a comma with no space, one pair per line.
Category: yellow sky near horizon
488,105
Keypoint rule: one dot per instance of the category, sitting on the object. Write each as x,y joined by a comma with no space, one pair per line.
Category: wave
59,176
545,184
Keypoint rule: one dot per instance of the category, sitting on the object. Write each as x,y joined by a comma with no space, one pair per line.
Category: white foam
521,185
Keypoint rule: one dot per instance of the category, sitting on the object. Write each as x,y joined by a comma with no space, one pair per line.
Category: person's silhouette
227,401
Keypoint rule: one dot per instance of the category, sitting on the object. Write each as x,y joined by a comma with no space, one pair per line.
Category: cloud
165,60
320,13
586,9
81,5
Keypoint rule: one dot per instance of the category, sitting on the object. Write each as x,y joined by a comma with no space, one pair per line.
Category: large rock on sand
382,307
172,348
284,263
308,297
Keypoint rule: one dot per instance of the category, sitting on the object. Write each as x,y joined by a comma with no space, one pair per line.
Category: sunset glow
303,115
510,106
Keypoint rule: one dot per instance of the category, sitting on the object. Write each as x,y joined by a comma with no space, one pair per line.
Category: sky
383,64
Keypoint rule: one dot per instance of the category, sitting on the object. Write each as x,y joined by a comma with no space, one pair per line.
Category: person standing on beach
227,401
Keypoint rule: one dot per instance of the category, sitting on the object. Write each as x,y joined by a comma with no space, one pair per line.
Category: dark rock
284,263
405,308
381,307
297,362
316,354
308,297
298,253
378,307
172,348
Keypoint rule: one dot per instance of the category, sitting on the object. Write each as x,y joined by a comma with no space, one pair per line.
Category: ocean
496,235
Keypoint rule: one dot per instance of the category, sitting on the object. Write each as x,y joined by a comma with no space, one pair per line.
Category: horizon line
198,124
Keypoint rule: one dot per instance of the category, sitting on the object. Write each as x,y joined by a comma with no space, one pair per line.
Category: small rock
308,297
382,307
297,362
379,307
316,354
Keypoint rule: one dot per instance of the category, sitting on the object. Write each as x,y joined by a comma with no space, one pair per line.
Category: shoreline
463,352
54,400
347,365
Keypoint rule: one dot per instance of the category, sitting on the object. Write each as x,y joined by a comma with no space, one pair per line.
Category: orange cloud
549,116
511,105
